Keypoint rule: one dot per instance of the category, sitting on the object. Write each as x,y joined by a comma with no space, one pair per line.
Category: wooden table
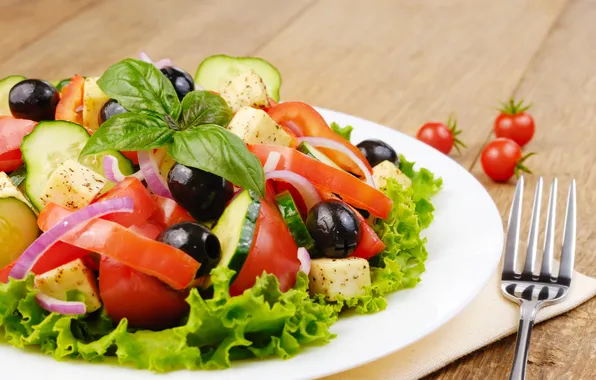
399,63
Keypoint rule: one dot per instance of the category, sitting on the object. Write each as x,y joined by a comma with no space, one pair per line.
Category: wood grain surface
399,63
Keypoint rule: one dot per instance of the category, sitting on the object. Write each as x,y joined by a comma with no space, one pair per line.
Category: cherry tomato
502,158
441,136
515,123
273,251
143,300
68,107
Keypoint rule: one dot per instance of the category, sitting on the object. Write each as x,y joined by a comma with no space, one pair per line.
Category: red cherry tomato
441,136
502,158
515,123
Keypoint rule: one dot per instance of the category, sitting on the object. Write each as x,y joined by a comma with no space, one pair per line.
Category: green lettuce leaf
345,132
261,322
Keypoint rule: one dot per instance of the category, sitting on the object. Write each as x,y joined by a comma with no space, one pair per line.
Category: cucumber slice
293,220
49,145
6,85
61,84
313,152
18,229
236,229
215,70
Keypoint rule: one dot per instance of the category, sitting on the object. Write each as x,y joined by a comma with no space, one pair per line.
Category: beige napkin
487,319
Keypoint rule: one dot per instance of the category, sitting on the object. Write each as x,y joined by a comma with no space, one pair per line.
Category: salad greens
345,132
156,118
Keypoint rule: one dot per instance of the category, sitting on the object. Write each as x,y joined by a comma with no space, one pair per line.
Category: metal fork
533,291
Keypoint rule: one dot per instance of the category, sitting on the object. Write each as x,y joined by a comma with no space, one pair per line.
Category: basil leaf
140,87
128,131
203,107
216,150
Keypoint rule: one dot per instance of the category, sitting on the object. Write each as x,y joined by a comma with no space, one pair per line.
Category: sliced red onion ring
294,128
55,305
272,161
165,62
304,258
328,143
28,259
79,109
155,181
144,57
307,190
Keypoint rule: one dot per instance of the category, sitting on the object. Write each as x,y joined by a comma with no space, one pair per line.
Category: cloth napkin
487,319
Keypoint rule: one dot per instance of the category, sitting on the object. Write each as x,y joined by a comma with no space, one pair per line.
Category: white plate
464,243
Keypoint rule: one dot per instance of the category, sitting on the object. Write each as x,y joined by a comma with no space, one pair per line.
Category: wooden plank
561,82
187,31
403,63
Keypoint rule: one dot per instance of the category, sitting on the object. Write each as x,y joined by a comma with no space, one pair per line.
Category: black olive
109,109
196,241
202,194
377,151
33,99
182,81
335,229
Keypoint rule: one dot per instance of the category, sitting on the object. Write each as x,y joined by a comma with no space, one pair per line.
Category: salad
175,222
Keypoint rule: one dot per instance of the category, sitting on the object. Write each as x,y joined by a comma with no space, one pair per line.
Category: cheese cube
387,169
245,89
339,277
254,126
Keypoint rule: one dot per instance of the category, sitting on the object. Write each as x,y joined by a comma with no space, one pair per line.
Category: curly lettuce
345,132
261,322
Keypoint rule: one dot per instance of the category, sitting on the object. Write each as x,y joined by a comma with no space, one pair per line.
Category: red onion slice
165,62
144,57
272,161
294,128
328,143
307,190
55,305
112,170
28,259
156,183
304,258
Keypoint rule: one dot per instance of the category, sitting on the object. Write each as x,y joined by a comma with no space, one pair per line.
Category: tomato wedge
311,123
144,206
168,212
71,100
10,161
352,190
273,251
151,257
12,132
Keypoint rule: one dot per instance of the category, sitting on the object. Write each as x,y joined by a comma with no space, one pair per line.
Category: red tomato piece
273,251
311,123
133,156
143,300
168,212
167,263
68,107
149,229
144,206
352,190
12,132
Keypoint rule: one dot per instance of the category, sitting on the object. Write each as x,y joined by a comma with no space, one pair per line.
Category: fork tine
512,243
549,236
534,230
568,252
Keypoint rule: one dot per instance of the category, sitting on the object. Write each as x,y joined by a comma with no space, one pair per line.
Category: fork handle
528,311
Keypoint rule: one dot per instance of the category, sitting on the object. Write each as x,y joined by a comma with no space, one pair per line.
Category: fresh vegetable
180,79
61,84
313,152
150,171
386,170
514,122
334,278
305,260
72,276
33,99
441,136
156,118
18,227
214,71
345,132
203,194
93,101
376,151
142,299
335,229
350,188
168,212
55,305
143,201
236,230
70,106
254,126
307,192
12,132
165,262
6,84
289,211
109,109
502,158
197,241
311,123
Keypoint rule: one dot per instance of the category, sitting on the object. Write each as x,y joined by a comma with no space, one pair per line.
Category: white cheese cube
245,89
254,126
339,277
387,169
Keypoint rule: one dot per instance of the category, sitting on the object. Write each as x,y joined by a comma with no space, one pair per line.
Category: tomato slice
144,206
352,190
149,229
12,132
168,212
71,100
133,156
311,123
273,251
143,300
167,263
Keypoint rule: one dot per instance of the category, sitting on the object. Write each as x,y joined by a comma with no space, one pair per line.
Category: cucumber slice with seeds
294,221
18,229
